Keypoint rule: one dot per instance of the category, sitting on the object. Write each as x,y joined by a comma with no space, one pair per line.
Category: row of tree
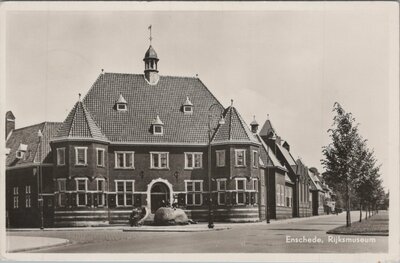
351,167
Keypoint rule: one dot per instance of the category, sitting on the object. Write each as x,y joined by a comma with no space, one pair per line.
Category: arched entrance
159,195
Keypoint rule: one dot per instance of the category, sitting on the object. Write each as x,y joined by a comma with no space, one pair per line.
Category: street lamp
210,130
40,186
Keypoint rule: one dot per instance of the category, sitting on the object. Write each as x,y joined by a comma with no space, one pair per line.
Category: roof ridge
85,113
29,126
74,109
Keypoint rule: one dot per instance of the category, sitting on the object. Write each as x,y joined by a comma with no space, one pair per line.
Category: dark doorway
159,196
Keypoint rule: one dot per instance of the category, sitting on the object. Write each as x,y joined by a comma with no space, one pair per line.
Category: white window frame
27,189
27,200
16,201
124,193
254,182
255,159
236,157
220,162
125,107
124,157
101,192
159,160
240,190
158,133
194,192
97,157
60,162
221,191
61,191
77,148
19,155
193,160
15,190
188,111
282,195
81,191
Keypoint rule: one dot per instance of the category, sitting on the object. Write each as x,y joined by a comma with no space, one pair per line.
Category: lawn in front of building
377,225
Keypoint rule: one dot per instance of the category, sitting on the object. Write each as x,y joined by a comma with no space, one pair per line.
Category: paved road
248,238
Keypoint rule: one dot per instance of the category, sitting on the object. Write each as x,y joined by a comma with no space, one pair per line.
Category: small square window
158,129
121,107
188,109
19,154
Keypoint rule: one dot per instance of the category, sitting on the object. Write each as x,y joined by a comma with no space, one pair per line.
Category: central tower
150,64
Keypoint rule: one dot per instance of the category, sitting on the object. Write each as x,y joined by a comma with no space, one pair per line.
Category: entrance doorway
159,196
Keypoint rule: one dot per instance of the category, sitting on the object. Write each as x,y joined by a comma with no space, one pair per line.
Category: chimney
286,146
10,123
254,125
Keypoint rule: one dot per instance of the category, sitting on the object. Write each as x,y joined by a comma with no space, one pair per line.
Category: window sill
155,168
81,165
101,166
196,168
124,168
60,165
240,166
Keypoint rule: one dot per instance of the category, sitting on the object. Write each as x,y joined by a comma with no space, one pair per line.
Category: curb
66,242
139,229
357,234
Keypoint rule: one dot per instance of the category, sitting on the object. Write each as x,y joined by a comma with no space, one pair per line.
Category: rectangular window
100,157
255,188
221,187
15,190
15,201
81,188
240,191
124,189
60,156
193,160
100,182
124,160
220,158
61,185
159,160
27,200
27,189
194,189
282,195
240,158
278,194
255,159
80,155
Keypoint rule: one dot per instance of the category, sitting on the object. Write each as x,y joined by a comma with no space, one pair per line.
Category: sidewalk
202,226
27,243
21,243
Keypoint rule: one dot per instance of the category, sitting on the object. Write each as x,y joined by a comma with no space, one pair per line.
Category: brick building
143,140
149,140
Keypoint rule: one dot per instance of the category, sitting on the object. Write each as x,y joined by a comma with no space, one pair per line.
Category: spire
150,38
150,63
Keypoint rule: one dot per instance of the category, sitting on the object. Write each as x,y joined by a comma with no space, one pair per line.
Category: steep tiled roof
267,155
29,136
80,124
144,103
267,129
287,156
234,129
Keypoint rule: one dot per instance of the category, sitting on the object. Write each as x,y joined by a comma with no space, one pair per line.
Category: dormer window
158,126
19,154
121,104
187,106
21,150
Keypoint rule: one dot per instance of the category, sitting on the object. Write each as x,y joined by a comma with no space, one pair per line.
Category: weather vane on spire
151,38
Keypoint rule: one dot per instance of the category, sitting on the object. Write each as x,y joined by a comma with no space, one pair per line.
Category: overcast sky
292,65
